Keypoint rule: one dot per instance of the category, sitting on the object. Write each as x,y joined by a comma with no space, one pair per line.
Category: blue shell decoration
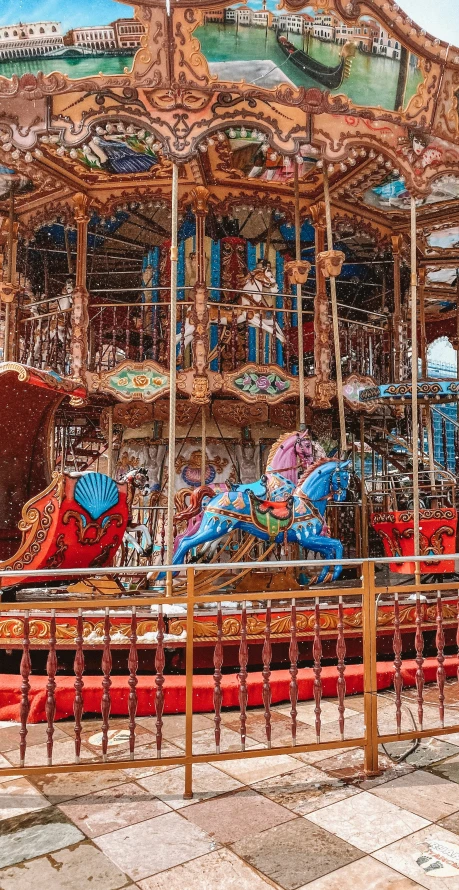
96,493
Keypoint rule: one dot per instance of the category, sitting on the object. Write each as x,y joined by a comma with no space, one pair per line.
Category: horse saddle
277,509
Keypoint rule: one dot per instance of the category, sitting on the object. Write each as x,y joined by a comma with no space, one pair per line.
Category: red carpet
174,690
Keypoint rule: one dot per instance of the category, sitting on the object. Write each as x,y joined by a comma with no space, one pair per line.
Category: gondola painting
260,44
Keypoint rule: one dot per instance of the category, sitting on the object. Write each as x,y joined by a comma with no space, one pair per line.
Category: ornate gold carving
199,199
330,262
297,271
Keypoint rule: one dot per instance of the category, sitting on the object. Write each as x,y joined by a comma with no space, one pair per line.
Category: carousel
228,255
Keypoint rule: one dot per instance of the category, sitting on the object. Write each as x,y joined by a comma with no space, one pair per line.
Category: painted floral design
256,384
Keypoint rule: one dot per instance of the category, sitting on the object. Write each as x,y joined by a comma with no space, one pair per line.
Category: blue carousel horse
299,518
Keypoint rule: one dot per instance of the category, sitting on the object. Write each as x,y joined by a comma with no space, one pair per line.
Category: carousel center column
200,392
322,326
80,316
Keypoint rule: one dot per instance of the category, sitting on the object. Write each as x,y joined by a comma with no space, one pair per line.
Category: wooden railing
300,619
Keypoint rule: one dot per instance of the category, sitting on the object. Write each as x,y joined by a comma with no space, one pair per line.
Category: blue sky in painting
440,18
71,14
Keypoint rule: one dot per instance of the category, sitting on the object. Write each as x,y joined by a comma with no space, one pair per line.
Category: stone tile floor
286,822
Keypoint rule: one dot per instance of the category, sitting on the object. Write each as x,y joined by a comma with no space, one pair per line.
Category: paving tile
365,874
293,853
254,769
318,756
63,752
65,786
430,858
208,782
256,726
155,845
448,769
348,765
174,724
36,735
35,834
328,712
18,796
118,737
81,868
422,793
367,821
204,741
429,751
221,870
113,808
305,790
235,816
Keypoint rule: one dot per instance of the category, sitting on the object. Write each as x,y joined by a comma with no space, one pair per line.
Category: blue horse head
326,480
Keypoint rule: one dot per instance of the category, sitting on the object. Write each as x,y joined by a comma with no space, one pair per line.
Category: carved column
322,327
200,393
80,316
396,247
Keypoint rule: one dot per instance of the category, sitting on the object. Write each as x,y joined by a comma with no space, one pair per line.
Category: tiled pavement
287,822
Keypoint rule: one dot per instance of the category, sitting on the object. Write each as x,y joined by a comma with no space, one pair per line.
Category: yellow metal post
370,687
188,794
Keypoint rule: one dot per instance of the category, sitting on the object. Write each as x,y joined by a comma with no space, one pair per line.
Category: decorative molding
132,381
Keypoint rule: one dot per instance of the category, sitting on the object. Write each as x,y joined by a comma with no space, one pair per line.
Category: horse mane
314,466
276,445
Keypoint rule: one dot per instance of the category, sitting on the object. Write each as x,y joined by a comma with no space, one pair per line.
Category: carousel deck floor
287,823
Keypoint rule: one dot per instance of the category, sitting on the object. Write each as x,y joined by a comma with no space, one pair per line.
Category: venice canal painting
78,39
260,44
255,42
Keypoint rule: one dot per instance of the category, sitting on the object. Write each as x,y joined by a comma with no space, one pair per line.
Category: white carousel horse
254,288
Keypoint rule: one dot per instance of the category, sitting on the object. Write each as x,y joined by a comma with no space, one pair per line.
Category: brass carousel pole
299,301
334,306
172,375
10,279
414,388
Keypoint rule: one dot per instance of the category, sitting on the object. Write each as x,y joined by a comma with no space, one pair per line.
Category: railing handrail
198,567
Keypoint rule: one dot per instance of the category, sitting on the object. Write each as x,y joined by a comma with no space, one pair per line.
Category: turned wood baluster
100,338
233,340
218,663
182,334
242,676
397,647
51,668
163,538
457,635
340,656
440,644
317,668
128,332
261,357
160,662
267,656
106,683
113,338
133,664
25,669
78,668
154,325
48,337
40,345
220,332
141,332
293,670
287,340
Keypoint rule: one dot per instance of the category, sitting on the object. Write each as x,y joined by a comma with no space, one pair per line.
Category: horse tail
195,505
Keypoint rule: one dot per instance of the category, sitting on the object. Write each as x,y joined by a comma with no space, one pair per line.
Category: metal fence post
188,793
370,687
